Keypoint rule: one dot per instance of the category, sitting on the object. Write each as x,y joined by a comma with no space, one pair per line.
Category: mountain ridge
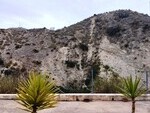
117,42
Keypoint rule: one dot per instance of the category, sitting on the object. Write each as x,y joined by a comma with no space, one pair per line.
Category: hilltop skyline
57,14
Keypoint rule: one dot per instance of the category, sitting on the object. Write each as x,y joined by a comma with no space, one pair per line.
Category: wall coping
84,97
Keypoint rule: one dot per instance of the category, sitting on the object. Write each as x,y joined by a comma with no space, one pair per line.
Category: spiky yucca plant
36,93
132,88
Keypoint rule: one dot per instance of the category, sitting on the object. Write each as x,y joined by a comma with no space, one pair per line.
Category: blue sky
60,13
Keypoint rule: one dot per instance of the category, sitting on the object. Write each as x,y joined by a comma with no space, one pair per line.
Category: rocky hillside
116,42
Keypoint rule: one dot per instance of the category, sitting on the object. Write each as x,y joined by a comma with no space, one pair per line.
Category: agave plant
36,93
132,88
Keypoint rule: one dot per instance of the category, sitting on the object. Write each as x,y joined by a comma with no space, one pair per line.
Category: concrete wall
84,97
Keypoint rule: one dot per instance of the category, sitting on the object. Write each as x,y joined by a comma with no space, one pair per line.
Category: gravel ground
11,106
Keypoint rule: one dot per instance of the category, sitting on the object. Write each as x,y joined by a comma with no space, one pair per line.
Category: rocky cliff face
117,42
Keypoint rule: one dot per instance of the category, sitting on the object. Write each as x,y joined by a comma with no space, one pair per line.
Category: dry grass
8,84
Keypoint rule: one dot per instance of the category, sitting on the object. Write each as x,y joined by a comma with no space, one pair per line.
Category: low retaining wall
84,97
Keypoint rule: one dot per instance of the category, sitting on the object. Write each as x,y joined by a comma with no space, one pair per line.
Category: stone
119,40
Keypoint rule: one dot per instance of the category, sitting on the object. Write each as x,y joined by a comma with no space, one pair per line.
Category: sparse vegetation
77,49
95,70
53,46
18,46
121,14
35,50
36,62
106,85
74,87
146,27
83,47
8,84
72,64
113,30
1,61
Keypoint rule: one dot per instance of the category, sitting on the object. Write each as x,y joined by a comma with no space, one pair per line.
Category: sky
59,13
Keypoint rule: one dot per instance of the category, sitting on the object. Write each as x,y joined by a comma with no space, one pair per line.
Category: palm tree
36,93
132,88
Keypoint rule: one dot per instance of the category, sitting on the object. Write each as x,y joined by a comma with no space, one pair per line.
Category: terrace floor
11,106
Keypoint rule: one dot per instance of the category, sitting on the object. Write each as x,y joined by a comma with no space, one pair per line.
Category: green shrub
106,85
94,70
1,61
113,30
8,84
74,86
83,47
71,64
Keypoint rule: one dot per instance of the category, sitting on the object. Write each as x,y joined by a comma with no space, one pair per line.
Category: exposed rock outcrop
119,40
